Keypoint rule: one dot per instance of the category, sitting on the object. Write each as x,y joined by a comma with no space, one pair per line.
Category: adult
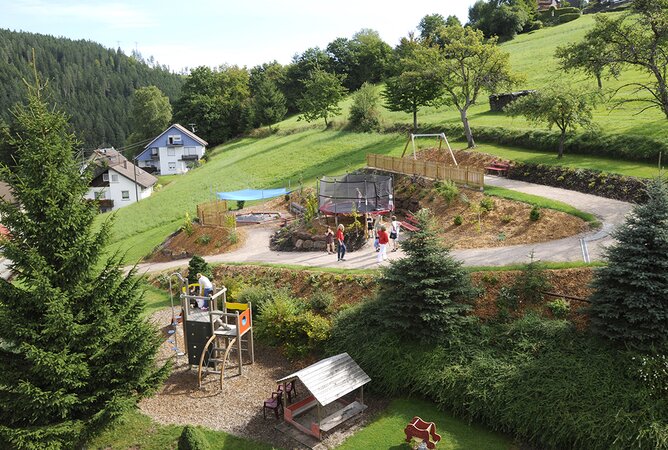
383,239
205,290
329,240
342,245
394,232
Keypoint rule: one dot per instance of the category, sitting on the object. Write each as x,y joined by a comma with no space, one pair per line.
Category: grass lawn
137,431
387,432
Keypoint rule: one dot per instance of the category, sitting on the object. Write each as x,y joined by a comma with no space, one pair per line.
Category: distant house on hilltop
544,5
116,181
174,151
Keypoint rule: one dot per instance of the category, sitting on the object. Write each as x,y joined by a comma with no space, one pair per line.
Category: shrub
274,315
534,214
197,265
531,282
447,190
487,204
187,226
653,372
240,204
192,438
535,25
321,301
564,18
259,295
458,220
203,239
364,114
559,308
507,218
233,237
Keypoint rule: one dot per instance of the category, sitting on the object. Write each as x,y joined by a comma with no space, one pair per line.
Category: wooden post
362,394
239,343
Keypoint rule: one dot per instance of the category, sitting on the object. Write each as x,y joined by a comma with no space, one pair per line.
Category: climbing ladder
172,332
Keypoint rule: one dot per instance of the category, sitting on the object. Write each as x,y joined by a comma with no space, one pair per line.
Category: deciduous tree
321,96
76,351
562,106
151,114
591,56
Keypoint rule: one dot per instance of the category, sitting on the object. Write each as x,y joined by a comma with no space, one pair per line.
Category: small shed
328,382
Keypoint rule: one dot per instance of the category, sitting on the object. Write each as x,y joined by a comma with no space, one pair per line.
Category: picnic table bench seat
498,167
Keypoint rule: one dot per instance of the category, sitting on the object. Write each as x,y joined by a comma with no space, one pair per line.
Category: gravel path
610,212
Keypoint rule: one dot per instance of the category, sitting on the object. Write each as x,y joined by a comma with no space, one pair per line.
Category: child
329,240
383,239
342,246
394,232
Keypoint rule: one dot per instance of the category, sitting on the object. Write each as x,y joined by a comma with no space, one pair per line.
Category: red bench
499,167
411,223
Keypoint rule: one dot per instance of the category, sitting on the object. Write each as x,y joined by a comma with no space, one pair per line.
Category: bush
240,204
274,315
197,265
534,214
559,308
192,438
447,190
321,301
564,18
187,226
487,204
364,115
535,25
258,296
203,239
233,237
458,220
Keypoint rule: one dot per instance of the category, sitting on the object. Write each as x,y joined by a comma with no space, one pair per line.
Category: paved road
610,213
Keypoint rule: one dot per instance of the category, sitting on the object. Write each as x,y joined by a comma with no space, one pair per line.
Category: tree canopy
322,92
151,114
76,352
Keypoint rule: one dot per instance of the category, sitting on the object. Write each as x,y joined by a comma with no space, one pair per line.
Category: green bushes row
621,146
564,18
589,181
535,378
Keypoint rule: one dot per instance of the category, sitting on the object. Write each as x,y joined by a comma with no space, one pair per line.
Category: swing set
441,138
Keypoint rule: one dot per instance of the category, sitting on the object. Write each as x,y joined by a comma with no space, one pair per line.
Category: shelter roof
183,130
110,158
331,378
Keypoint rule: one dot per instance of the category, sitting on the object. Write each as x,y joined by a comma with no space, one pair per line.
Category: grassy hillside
302,152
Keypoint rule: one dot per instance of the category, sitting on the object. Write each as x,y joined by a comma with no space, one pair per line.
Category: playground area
237,406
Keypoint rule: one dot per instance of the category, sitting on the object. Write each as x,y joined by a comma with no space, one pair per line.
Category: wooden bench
411,223
341,416
499,167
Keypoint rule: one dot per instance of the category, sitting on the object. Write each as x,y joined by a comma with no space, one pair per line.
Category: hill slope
91,83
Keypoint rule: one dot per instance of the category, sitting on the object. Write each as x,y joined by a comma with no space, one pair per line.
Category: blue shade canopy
252,194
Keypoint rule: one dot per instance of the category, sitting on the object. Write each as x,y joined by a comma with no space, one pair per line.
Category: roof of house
331,378
183,130
6,192
112,159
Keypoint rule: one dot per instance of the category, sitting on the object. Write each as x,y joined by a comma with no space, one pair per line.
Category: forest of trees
91,83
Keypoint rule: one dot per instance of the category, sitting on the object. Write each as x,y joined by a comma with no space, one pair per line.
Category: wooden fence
215,214
437,171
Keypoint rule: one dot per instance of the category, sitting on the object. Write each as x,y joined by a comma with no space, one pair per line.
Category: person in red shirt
383,239
342,246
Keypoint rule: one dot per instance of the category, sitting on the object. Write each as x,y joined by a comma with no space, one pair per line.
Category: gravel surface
237,408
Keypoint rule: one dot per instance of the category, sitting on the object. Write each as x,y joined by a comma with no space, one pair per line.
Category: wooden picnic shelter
328,381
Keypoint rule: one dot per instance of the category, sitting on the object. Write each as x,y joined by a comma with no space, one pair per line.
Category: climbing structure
425,431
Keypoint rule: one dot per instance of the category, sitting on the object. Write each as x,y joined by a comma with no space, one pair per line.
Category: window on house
125,195
172,165
114,178
154,152
189,151
102,195
174,139
171,152
105,176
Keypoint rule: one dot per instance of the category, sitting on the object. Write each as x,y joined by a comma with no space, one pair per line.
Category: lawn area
387,432
137,431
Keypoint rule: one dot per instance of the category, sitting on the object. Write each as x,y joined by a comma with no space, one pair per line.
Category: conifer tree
75,352
630,301
425,294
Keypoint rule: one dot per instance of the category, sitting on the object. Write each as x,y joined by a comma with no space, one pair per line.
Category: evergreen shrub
197,265
192,438
321,301
534,214
447,190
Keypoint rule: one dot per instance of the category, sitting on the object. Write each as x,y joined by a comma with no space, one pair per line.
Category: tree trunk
598,81
415,121
467,128
326,124
561,143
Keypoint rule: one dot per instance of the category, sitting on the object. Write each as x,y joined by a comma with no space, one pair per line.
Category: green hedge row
568,17
537,379
621,146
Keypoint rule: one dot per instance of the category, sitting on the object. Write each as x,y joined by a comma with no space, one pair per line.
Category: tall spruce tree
630,299
75,352
424,295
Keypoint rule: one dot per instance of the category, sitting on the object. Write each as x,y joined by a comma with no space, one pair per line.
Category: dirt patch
237,407
202,241
468,158
507,223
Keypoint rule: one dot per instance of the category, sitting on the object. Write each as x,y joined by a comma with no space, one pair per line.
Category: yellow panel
236,306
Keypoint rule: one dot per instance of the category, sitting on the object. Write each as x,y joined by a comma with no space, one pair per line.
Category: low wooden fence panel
437,171
215,214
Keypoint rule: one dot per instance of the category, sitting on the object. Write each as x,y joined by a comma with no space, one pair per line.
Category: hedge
595,182
621,146
564,18
538,379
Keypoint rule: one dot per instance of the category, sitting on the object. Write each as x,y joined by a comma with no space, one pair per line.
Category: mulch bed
237,407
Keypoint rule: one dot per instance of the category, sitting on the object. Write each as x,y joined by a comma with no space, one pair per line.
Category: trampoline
363,193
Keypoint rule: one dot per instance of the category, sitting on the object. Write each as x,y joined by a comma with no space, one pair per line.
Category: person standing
394,232
383,239
342,246
205,290
329,240
379,223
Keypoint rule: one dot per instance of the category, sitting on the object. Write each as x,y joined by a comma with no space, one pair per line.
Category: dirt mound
469,158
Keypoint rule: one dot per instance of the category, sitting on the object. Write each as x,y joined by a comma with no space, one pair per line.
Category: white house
116,181
174,151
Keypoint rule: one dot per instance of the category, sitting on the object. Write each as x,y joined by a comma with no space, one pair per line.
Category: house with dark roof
116,181
544,5
175,151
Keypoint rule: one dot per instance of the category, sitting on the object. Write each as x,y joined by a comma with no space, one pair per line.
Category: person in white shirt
205,290
394,232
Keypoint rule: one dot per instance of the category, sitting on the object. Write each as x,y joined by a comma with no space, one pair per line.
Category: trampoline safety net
364,193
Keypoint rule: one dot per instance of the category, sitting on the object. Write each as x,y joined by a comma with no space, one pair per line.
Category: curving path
610,212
